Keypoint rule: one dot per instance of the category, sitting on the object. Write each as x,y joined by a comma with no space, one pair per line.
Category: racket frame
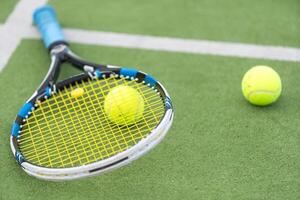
59,55
102,166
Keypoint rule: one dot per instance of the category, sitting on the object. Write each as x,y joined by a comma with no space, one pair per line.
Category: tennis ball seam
262,92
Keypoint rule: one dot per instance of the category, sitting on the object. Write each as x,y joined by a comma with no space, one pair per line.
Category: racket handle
46,21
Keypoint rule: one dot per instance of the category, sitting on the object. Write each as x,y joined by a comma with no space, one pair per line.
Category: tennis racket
56,136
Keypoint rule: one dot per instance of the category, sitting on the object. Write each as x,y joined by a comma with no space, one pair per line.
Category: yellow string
65,131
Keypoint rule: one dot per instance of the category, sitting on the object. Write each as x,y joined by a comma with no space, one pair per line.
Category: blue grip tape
46,21
15,130
150,80
128,72
25,109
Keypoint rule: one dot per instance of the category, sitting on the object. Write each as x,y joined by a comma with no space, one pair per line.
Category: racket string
77,154
112,86
81,128
105,136
40,130
47,121
95,125
26,147
55,107
102,109
84,134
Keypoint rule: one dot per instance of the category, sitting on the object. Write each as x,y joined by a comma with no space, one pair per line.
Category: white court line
18,26
18,22
177,45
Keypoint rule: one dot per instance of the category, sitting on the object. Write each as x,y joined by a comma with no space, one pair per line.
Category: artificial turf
6,7
220,147
272,22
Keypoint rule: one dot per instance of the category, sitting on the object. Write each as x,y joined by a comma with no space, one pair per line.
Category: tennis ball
261,85
124,105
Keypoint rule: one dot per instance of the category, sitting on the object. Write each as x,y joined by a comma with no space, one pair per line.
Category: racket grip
46,21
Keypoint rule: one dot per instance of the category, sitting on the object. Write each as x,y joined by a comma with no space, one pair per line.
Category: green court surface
220,147
273,22
6,7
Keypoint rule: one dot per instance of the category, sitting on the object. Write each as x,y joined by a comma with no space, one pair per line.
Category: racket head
119,158
23,138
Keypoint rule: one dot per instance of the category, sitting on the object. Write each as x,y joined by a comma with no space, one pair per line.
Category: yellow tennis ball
261,85
124,105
